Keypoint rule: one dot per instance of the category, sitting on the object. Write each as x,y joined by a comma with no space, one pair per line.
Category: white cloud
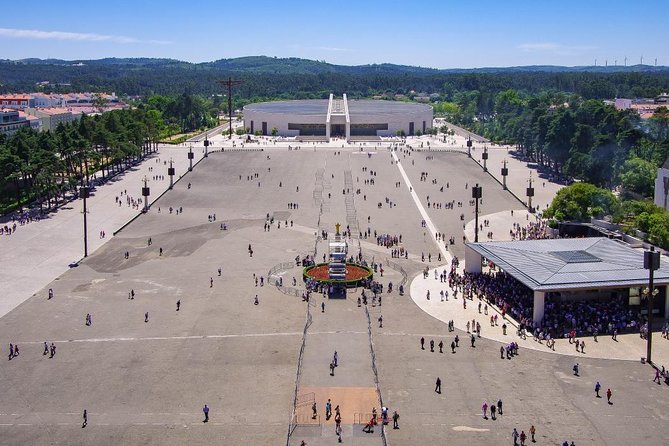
538,46
62,35
331,48
556,48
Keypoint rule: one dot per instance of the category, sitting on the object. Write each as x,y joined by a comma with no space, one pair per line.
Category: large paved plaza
143,370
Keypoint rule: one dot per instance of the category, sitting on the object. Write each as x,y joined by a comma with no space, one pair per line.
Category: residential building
51,117
16,101
11,121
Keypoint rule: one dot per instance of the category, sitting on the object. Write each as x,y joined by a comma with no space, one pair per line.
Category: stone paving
146,382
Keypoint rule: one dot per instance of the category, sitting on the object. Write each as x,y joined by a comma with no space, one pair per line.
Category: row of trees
583,139
301,79
44,166
581,201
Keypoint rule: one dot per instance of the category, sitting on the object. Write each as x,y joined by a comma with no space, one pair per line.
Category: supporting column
328,118
472,260
348,119
538,306
666,301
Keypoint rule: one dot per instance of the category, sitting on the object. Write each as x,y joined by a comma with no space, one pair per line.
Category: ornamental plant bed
354,273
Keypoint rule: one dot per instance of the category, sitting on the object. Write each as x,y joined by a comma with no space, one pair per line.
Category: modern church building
337,118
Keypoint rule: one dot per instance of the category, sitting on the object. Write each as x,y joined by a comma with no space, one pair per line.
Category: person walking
146,317
432,345
396,418
46,348
332,367
452,346
335,359
85,423
11,351
205,410
575,368
499,407
437,387
493,409
322,307
457,341
597,388
608,396
473,341
422,343
657,376
328,409
441,346
484,409
532,432
523,437
515,436
314,411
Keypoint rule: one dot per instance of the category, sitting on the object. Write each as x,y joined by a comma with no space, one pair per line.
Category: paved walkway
40,251
340,326
628,347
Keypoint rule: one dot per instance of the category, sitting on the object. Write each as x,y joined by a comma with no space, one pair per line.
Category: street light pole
485,158
505,173
469,147
145,193
170,172
84,192
530,194
651,262
477,193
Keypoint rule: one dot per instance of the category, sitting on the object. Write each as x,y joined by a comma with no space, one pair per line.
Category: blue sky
431,33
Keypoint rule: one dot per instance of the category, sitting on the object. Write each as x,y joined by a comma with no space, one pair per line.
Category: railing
294,420
376,373
305,398
398,267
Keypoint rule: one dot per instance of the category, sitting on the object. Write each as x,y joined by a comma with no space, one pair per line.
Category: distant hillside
301,78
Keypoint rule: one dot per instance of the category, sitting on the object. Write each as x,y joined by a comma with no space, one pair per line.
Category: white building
623,104
662,186
326,118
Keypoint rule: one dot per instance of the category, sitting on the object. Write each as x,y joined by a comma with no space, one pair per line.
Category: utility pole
625,60
230,83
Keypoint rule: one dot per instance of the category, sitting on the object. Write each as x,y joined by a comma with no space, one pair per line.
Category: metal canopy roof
563,264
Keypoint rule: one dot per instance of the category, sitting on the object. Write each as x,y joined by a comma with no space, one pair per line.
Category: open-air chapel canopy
566,265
